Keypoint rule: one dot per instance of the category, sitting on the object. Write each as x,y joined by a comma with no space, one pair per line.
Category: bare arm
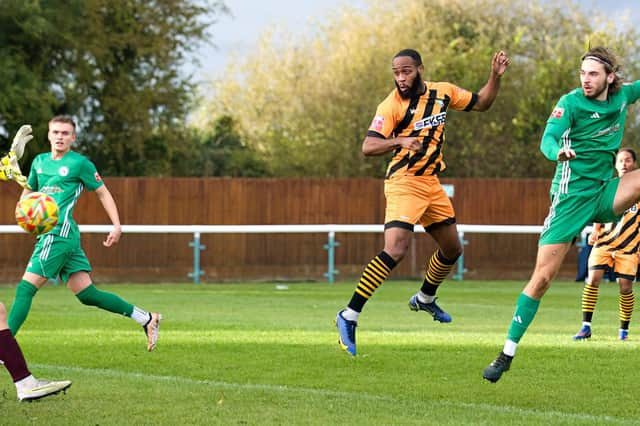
377,146
489,91
593,236
109,205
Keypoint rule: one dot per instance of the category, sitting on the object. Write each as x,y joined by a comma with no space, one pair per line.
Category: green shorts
570,213
55,256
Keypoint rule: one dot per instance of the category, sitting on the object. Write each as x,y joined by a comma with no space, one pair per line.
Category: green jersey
64,180
593,129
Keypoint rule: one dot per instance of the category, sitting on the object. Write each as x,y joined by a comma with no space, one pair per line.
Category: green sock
104,300
21,305
526,309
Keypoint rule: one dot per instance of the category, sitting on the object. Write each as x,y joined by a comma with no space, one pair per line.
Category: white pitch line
341,394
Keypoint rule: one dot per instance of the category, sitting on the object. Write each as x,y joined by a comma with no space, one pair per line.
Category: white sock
425,298
350,315
510,348
140,316
586,323
28,382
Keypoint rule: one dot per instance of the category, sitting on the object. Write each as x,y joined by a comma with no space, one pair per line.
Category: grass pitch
253,354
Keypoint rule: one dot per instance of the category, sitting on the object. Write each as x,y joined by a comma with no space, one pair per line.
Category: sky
241,30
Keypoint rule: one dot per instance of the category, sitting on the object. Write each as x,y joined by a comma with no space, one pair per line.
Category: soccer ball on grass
37,213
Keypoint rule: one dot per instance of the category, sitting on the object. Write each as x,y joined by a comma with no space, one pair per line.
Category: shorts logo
557,112
431,121
377,123
63,171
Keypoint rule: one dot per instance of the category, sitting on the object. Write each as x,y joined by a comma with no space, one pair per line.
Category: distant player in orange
615,245
410,123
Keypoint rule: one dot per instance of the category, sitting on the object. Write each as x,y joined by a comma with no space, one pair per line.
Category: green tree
219,152
305,103
115,65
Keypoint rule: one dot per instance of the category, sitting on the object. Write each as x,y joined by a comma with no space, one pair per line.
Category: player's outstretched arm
489,91
109,205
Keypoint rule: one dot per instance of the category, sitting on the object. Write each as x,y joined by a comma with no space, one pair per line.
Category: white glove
22,137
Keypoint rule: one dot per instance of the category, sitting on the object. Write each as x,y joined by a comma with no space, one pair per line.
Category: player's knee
539,285
3,313
452,254
397,251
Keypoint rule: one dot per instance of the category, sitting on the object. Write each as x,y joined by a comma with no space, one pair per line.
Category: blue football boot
431,308
584,333
347,333
623,334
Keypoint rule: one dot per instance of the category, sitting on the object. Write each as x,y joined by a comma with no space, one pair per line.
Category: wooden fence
240,201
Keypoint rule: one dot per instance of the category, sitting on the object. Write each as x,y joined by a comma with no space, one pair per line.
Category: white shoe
42,388
152,329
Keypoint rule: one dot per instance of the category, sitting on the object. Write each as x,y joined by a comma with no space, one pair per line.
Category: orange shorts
624,265
417,200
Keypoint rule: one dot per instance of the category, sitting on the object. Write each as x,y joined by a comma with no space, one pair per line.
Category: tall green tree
219,151
116,65
306,102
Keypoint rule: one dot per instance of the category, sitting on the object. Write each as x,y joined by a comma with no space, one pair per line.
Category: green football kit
583,189
58,252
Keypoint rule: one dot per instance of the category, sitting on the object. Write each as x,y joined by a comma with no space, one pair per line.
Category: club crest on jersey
557,112
377,123
431,121
63,171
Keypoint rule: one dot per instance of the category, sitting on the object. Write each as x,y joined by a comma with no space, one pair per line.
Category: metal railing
330,229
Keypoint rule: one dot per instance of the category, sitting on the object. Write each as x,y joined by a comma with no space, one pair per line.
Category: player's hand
113,237
10,170
592,238
499,63
566,154
22,137
410,143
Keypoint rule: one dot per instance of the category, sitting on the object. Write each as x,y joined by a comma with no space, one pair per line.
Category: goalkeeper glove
10,170
22,137
9,167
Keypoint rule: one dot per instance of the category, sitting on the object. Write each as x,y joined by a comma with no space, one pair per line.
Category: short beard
595,96
416,89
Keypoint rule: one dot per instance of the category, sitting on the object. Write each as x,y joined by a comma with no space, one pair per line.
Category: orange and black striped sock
589,300
373,276
626,309
438,269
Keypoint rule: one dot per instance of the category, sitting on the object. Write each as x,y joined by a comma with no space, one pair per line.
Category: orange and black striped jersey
421,116
622,236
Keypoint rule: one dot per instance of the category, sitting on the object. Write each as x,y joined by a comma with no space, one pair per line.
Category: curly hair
607,58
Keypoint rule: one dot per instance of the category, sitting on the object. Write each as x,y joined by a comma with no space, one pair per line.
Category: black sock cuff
387,260
444,260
